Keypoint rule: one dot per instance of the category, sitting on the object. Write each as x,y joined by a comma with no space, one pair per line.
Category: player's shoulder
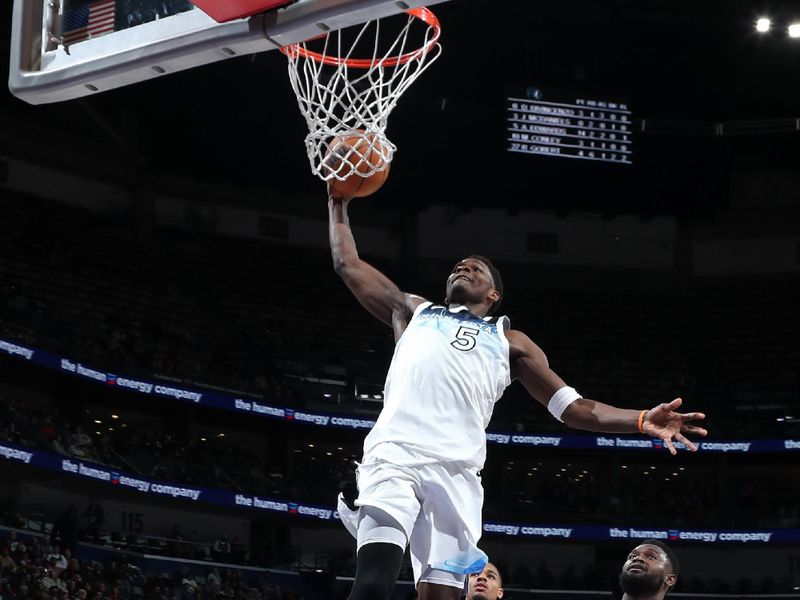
412,302
502,321
515,336
409,305
521,346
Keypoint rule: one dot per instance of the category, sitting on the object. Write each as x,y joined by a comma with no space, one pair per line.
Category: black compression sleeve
377,567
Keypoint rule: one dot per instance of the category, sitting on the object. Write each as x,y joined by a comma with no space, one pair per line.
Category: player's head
651,569
486,585
475,280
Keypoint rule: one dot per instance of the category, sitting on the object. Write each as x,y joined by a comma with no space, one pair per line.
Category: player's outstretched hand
663,422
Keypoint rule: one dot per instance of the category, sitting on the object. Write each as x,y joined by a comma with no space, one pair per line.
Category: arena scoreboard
568,124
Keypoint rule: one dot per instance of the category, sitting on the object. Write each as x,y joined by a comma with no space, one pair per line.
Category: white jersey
448,370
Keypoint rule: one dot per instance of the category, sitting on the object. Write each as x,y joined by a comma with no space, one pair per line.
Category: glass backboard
64,49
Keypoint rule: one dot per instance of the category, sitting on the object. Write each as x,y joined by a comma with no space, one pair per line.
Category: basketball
362,154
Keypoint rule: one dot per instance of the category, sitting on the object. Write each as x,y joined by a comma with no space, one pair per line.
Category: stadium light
763,24
794,30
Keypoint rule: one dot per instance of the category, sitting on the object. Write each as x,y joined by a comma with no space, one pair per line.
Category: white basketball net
343,97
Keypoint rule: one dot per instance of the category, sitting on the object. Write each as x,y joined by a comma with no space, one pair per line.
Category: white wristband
561,400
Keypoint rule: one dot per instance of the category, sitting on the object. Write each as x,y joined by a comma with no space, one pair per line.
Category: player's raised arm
376,292
530,366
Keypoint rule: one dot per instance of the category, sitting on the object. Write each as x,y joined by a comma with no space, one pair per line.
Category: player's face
470,282
485,585
646,571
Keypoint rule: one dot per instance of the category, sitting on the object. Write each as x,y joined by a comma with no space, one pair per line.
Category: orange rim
422,13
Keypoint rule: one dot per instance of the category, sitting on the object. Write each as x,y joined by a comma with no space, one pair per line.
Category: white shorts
438,508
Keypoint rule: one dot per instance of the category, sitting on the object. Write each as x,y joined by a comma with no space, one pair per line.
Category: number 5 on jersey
465,339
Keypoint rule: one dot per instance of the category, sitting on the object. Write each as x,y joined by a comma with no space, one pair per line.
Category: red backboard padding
228,10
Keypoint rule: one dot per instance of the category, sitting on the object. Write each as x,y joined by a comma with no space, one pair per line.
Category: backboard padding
42,72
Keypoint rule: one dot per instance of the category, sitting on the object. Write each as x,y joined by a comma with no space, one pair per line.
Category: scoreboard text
568,125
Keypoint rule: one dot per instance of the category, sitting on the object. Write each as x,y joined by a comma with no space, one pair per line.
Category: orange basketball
362,154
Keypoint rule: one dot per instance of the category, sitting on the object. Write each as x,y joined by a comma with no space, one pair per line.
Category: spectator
221,549
82,441
59,446
11,541
57,560
50,583
6,562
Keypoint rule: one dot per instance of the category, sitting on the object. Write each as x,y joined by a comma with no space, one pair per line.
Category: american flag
88,21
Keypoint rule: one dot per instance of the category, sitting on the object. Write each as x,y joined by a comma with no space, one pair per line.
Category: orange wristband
640,421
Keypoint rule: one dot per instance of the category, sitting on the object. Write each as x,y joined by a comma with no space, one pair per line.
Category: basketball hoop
343,97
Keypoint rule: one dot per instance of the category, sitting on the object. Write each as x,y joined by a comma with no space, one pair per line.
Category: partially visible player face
470,282
485,585
646,572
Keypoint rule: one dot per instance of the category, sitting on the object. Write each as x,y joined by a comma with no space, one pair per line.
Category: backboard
64,49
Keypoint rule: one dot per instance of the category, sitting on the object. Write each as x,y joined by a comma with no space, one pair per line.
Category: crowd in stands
641,491
79,284
540,576
39,568
27,426
174,308
621,347
754,324
633,489
145,450
87,286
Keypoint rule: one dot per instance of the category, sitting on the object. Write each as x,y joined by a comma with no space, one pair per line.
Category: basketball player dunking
418,481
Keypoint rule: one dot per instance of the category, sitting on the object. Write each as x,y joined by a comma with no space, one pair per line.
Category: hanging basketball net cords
342,97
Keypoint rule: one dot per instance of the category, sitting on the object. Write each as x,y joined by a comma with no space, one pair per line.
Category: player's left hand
664,423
